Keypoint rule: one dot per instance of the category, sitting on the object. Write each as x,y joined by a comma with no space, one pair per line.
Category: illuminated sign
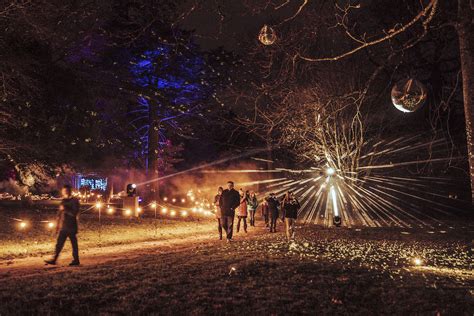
92,182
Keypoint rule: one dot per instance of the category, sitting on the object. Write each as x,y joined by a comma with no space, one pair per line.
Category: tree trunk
152,165
465,31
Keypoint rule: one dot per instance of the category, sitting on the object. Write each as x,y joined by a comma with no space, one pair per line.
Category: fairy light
164,210
173,213
330,171
110,210
23,225
173,200
165,199
194,209
417,261
128,212
51,225
184,213
183,200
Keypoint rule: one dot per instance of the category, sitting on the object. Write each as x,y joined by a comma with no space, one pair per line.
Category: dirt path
325,271
91,256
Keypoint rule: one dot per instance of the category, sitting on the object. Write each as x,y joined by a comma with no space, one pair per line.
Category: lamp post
153,205
98,205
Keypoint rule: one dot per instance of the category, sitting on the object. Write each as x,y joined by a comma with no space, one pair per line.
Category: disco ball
267,35
408,95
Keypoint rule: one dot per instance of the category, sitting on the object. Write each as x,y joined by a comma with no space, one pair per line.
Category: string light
417,261
183,200
330,171
165,199
173,200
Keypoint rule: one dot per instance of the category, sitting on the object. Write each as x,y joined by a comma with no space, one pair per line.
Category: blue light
175,76
94,183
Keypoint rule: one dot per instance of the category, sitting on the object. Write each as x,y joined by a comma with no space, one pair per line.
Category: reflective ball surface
267,35
408,95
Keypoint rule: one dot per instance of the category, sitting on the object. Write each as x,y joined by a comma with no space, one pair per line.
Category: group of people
230,202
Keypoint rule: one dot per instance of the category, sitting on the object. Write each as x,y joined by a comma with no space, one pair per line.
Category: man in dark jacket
229,200
67,225
273,205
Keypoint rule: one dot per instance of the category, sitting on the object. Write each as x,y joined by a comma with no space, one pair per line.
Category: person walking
242,210
265,212
67,226
273,211
229,200
290,207
218,211
252,204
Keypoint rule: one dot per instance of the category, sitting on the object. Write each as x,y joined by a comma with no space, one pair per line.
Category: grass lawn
323,271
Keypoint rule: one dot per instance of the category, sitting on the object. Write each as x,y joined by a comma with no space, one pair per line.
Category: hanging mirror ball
408,95
267,35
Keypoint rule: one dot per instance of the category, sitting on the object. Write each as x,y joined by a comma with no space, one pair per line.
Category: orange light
165,199
173,200
153,205
184,213
164,210
128,212
139,209
183,200
23,225
51,225
98,205
110,210
173,213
